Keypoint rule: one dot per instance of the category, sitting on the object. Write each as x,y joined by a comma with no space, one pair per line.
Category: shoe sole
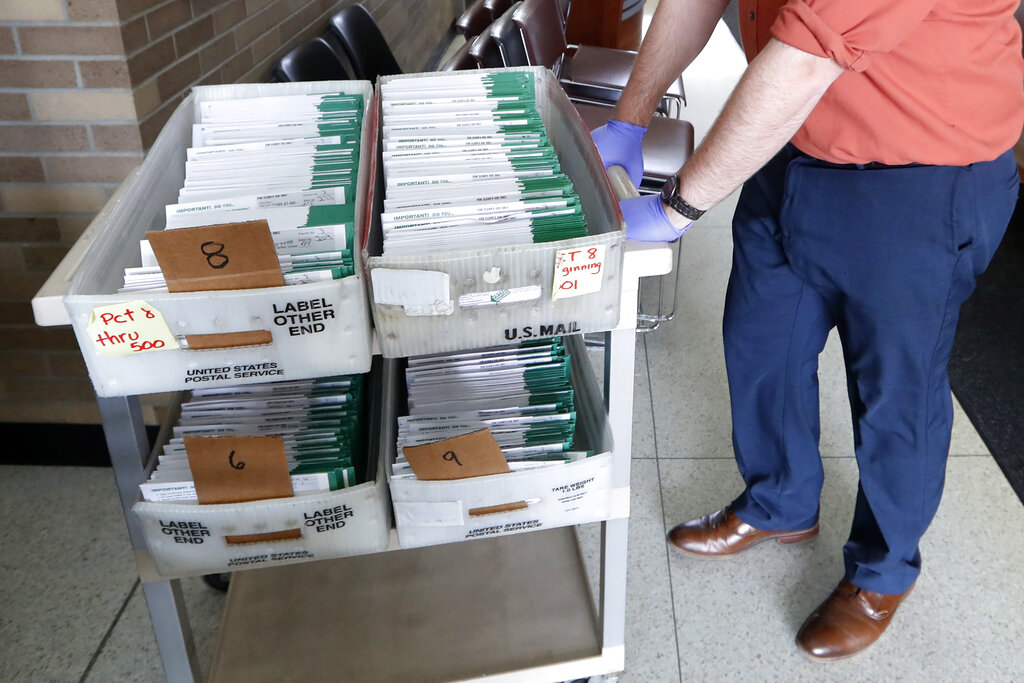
787,539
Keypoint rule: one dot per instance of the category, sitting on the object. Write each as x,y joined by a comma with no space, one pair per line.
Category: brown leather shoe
847,622
723,533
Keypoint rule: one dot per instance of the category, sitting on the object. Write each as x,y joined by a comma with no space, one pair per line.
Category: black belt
871,165
875,164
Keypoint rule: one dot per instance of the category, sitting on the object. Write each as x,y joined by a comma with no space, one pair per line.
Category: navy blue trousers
887,256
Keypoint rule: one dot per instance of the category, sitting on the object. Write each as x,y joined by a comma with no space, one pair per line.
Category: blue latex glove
646,220
622,144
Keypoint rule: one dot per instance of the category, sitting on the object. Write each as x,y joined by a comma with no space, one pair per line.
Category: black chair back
312,61
364,44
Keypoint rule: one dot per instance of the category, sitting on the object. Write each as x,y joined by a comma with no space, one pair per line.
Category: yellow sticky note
578,271
128,328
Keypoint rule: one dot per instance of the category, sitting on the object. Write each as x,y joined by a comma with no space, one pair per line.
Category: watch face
668,190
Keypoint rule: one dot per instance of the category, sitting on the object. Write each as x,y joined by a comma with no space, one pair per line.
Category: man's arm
679,31
775,96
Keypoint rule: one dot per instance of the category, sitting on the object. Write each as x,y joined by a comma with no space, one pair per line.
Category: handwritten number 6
451,457
237,465
214,252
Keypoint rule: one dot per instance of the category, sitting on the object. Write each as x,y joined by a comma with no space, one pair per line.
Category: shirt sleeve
849,31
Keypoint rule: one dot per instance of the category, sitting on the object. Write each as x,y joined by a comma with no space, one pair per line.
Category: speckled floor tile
650,631
66,566
131,653
736,618
650,635
688,385
966,440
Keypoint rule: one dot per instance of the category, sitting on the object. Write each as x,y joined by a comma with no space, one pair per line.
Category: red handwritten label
578,271
129,328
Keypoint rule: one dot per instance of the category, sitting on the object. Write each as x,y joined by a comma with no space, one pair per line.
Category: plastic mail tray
340,341
474,273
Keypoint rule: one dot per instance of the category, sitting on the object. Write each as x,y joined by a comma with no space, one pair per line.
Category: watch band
670,196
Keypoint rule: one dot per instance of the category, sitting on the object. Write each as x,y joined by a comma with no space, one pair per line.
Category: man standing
877,134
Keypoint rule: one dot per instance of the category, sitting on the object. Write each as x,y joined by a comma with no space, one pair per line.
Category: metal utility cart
512,608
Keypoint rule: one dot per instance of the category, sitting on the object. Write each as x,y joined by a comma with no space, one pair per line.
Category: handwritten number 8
214,252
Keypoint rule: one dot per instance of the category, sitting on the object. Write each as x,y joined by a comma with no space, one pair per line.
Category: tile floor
71,607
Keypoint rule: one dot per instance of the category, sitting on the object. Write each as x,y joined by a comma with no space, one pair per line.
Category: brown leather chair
461,60
513,53
563,9
474,20
667,144
484,49
497,7
587,67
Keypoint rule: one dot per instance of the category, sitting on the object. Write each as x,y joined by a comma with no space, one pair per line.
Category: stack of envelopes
318,419
521,393
290,160
468,164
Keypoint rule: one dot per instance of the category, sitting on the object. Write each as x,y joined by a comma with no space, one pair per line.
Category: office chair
474,20
497,7
485,50
563,10
461,60
666,146
363,43
312,61
582,66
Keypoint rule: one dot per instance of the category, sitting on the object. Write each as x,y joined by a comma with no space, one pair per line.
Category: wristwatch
670,196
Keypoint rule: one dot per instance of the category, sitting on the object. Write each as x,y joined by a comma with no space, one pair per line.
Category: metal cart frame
129,449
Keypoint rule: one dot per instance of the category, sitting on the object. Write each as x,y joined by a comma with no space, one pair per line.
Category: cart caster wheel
218,582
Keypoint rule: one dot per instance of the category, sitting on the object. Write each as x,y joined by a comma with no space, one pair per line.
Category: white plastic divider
340,342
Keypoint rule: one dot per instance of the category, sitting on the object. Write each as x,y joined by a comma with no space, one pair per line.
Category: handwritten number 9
231,461
214,252
451,457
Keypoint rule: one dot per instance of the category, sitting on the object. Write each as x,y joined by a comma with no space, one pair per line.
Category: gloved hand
621,143
646,220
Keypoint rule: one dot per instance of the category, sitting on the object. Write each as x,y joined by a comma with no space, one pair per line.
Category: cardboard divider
246,539
238,469
217,257
498,509
227,340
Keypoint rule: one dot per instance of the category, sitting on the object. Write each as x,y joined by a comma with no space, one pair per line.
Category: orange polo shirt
926,81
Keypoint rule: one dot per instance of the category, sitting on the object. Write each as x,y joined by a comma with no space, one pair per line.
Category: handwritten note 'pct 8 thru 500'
128,328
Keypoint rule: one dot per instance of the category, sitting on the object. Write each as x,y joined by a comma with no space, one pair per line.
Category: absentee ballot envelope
521,394
291,161
467,163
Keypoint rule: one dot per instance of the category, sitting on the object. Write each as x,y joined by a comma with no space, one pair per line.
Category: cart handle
621,184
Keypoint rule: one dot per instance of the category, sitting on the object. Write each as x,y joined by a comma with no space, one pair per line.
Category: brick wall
85,87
